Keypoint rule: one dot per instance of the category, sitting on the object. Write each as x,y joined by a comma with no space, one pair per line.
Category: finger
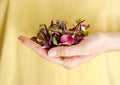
72,62
33,45
37,48
67,51
75,61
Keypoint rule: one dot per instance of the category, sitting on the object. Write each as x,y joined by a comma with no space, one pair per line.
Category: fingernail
52,53
20,38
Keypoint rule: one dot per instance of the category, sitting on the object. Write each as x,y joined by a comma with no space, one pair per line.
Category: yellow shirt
19,65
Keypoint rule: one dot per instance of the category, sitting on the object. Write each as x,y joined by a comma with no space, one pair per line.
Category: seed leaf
78,21
86,33
54,40
57,34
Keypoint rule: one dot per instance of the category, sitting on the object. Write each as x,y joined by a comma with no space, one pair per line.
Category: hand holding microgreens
57,34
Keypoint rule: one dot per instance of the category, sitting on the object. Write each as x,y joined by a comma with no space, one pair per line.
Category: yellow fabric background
19,65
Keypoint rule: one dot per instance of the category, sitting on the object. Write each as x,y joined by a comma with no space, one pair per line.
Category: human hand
75,55
87,49
37,48
67,63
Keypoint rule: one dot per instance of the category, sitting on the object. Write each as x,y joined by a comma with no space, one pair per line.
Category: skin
75,55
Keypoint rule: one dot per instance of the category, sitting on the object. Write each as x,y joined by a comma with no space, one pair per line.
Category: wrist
113,42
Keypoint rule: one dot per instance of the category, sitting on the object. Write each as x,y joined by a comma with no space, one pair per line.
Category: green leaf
78,21
38,35
54,28
54,40
86,33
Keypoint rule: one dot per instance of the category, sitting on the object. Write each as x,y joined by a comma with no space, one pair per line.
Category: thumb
65,51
